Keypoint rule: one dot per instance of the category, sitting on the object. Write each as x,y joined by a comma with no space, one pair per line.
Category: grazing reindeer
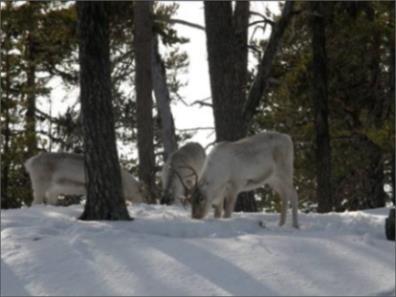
54,174
178,173
244,165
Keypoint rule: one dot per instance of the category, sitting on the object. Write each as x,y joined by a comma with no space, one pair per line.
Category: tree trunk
246,200
392,91
392,66
143,48
30,126
390,225
393,177
320,105
227,69
162,97
5,161
375,174
105,199
226,33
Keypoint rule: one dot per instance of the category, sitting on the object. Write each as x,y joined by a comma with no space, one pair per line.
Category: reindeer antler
193,173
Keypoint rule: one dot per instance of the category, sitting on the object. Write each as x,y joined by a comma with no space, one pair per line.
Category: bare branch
41,114
266,21
187,23
53,138
201,103
195,129
254,32
257,14
255,49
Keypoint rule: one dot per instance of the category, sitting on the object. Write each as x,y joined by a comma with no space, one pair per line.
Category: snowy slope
46,251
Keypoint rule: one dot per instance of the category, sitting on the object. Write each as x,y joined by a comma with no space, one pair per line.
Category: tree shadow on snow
11,285
217,270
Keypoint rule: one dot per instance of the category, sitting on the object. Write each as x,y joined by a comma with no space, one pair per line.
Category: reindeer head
185,185
199,203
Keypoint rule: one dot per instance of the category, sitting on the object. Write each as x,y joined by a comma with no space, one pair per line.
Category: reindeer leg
283,196
218,210
52,197
38,197
293,198
39,189
230,204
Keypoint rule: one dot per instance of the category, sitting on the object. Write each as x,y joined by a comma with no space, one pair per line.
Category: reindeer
179,173
54,174
244,165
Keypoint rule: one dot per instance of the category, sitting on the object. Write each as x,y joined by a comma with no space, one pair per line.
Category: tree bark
5,161
227,69
226,33
30,126
393,177
392,91
162,97
390,225
392,63
375,174
143,48
105,199
324,194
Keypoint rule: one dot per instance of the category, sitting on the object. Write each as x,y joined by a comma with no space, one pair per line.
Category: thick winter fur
181,171
234,167
54,174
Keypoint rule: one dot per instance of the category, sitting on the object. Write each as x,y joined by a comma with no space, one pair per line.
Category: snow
45,250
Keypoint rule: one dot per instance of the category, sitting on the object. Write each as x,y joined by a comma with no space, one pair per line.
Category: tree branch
46,116
266,21
261,81
195,129
264,18
202,102
187,23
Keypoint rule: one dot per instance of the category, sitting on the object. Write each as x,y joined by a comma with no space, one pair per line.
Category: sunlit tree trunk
162,97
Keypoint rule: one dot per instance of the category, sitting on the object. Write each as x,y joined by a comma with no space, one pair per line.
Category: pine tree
362,142
105,199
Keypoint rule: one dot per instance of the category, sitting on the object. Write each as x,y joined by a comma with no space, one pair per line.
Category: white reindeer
244,165
178,174
54,174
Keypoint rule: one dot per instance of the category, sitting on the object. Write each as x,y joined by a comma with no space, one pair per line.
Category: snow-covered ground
45,250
